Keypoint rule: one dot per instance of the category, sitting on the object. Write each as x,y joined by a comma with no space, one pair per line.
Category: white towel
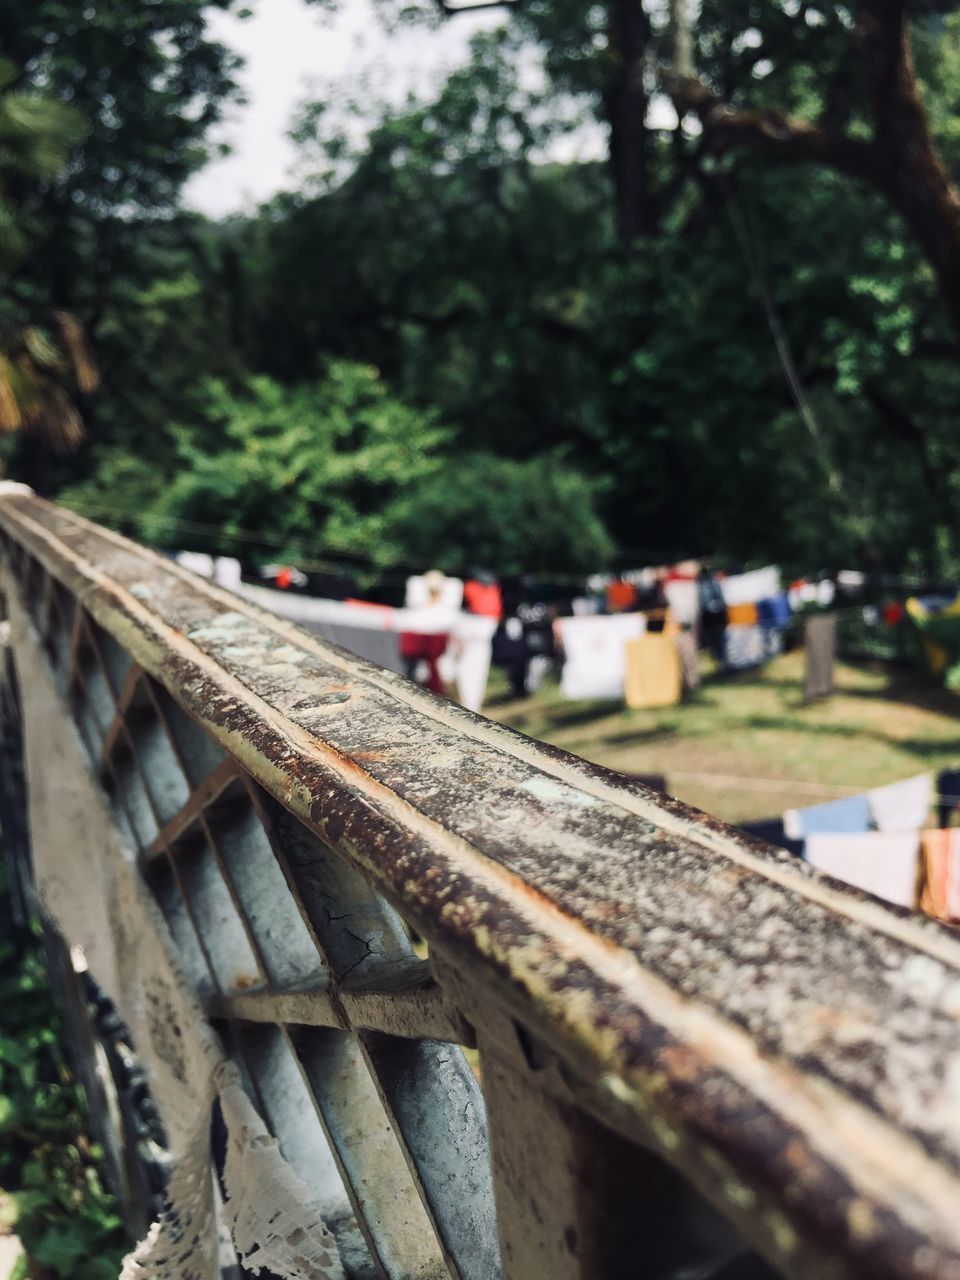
594,651
882,862
749,588
902,806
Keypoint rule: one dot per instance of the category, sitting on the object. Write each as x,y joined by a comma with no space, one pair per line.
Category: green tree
312,467
479,510
150,83
41,366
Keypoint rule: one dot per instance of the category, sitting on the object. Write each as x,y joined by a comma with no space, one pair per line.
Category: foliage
315,465
50,1191
454,244
38,363
149,83
147,79
535,515
487,282
37,134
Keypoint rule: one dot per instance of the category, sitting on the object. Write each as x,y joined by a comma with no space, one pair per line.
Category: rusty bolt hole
534,1053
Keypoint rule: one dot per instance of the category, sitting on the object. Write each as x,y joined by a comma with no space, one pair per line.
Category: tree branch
781,137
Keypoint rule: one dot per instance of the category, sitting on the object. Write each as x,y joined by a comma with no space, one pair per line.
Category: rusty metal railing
696,1058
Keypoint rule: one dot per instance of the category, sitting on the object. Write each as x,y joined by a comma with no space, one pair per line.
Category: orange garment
284,578
621,596
742,615
483,598
940,894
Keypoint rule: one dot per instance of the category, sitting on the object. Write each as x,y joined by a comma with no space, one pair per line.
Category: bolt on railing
687,1055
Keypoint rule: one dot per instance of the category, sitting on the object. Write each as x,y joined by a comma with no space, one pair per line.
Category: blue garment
849,815
775,611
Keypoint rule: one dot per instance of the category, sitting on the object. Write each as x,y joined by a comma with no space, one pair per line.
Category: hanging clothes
849,815
484,598
937,619
421,590
683,599
621,596
940,892
594,653
511,652
743,615
884,863
416,647
654,676
686,645
775,611
713,614
743,648
748,588
470,648
902,806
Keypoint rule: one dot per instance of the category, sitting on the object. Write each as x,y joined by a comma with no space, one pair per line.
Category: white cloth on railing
90,886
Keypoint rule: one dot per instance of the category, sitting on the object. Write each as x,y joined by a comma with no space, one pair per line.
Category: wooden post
820,644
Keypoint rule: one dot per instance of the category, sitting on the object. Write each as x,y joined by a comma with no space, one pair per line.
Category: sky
286,45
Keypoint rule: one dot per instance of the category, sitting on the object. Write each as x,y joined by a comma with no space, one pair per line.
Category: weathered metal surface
790,1045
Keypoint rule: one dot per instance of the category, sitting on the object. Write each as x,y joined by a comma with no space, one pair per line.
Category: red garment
893,613
284,578
483,598
415,647
621,596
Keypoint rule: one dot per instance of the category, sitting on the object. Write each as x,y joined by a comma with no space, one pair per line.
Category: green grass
883,723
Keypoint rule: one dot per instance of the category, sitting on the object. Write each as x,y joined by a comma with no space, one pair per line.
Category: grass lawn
746,747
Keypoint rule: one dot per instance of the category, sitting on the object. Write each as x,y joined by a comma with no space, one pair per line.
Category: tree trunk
625,107
910,171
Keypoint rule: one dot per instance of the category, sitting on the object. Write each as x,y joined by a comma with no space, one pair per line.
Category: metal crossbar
688,1056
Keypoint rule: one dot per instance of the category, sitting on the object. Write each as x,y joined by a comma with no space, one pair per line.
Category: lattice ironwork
663,1011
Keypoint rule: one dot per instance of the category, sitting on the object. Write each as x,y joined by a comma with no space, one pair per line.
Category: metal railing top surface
772,1033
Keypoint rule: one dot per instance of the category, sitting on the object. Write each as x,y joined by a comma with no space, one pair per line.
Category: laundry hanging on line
940,894
849,815
902,806
883,863
594,653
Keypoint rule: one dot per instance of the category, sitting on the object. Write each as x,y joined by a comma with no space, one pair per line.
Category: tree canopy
693,342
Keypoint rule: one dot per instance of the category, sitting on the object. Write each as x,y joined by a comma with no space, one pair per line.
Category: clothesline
295,543
745,783
105,510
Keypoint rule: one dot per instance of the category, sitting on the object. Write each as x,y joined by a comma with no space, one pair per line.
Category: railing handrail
783,1040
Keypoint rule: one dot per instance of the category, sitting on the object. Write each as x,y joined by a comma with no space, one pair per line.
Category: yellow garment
937,656
654,677
742,615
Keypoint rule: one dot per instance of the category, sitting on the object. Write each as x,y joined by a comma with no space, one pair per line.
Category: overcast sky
286,44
